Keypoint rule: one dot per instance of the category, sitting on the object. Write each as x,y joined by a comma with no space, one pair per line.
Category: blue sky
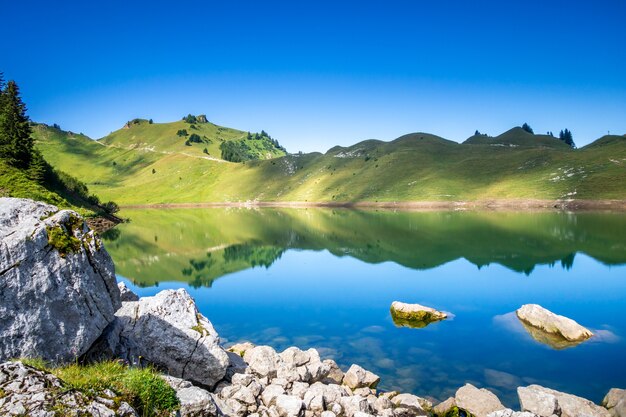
318,73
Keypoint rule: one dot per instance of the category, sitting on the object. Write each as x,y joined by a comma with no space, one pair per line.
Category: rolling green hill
147,163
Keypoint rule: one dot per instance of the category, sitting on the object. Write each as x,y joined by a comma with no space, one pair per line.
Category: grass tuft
142,388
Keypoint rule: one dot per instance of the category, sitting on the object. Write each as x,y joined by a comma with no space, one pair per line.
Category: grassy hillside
148,164
170,138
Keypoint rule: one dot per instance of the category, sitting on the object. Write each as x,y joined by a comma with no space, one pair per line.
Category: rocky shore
60,302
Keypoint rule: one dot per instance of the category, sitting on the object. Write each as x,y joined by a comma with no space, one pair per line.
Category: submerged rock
546,402
168,331
478,402
414,315
548,322
58,283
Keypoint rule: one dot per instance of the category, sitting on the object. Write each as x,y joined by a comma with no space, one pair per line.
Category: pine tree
566,136
16,144
527,128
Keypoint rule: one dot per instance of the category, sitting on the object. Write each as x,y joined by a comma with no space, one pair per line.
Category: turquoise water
311,290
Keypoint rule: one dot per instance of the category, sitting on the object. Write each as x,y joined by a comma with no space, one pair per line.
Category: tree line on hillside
17,149
565,135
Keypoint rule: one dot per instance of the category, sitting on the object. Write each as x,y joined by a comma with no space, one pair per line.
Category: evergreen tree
566,136
16,144
527,128
477,133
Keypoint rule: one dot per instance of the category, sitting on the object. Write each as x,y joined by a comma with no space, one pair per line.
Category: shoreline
494,205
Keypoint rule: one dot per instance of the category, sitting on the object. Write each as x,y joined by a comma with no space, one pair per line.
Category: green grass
149,164
142,388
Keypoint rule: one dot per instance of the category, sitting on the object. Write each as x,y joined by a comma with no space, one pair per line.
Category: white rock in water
58,282
539,400
404,314
479,402
547,321
168,331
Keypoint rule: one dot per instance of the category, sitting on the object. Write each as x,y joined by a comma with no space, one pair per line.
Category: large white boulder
478,402
58,286
545,402
547,321
168,331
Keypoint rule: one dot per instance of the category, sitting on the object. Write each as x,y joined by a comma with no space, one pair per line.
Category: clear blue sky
319,73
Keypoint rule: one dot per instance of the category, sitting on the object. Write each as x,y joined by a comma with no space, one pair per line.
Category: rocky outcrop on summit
58,283
168,331
27,391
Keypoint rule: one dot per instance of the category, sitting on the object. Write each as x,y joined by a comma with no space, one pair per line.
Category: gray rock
168,331
289,406
442,409
335,374
357,377
354,404
270,393
194,401
538,402
548,322
418,406
53,304
507,412
537,399
126,294
263,360
478,402
615,401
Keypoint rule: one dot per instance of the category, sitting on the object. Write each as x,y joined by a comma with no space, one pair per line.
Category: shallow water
325,278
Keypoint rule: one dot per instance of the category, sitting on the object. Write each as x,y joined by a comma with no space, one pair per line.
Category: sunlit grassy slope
147,164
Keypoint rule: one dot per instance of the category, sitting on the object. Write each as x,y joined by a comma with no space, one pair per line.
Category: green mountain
149,163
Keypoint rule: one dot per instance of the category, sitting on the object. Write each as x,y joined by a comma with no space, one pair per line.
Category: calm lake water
325,278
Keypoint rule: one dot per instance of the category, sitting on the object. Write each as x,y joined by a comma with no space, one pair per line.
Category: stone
417,406
414,315
548,322
615,402
538,402
236,365
357,377
444,407
353,404
478,402
262,360
328,414
299,388
168,331
507,412
537,399
270,393
335,374
59,290
289,406
194,401
126,294
331,393
240,348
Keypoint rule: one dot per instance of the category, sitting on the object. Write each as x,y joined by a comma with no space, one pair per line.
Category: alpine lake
325,278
